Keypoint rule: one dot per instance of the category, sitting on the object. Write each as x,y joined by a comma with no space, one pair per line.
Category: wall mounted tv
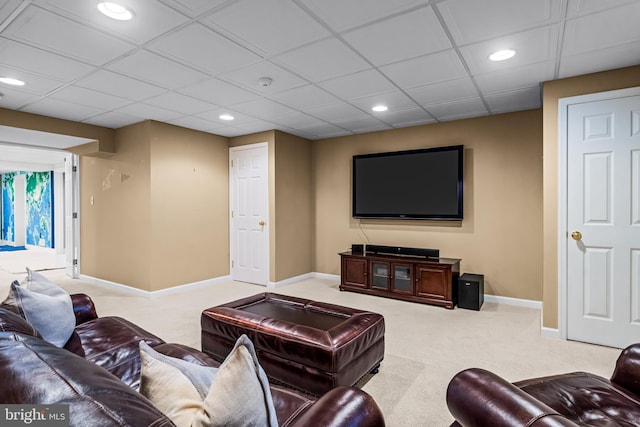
416,184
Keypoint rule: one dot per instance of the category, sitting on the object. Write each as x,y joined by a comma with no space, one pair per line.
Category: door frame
232,241
563,232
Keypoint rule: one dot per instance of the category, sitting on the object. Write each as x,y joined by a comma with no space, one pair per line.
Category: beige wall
189,206
293,201
159,216
501,235
115,207
552,92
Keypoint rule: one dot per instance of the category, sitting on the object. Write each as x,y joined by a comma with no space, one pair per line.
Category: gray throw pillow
236,394
45,305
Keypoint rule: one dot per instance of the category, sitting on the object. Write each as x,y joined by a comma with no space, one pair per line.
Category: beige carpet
34,257
425,345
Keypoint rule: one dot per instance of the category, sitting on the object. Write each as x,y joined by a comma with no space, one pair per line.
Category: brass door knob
576,235
261,223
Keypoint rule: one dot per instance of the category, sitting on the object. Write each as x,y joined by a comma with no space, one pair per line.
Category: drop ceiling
186,62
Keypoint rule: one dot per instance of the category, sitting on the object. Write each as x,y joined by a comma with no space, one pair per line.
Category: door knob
261,223
576,235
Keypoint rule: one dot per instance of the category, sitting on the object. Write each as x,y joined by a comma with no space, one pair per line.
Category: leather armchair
478,398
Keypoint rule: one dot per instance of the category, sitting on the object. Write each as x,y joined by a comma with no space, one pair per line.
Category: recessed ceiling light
501,55
380,108
226,117
115,11
11,81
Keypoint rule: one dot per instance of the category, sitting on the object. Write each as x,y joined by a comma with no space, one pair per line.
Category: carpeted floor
425,345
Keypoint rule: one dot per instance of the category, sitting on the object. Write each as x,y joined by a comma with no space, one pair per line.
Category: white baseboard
152,294
549,332
291,280
513,301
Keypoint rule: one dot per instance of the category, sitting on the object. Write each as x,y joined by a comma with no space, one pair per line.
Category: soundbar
402,250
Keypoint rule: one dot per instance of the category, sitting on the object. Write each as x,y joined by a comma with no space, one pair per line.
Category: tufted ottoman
311,346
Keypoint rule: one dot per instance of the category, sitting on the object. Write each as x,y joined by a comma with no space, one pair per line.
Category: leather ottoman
307,345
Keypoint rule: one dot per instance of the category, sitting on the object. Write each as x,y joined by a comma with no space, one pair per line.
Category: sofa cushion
237,393
13,322
114,344
45,305
34,371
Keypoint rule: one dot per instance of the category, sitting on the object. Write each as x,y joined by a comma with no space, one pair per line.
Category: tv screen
418,184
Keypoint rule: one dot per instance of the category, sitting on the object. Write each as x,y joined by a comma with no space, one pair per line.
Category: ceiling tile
91,98
600,60
336,112
150,20
324,130
471,21
304,97
458,109
62,109
406,36
587,7
265,109
247,77
204,49
113,120
323,60
429,69
354,13
193,122
218,92
7,7
408,117
179,103
194,8
38,61
299,120
34,83
443,92
518,100
357,85
362,124
394,100
515,78
119,85
149,112
606,29
213,116
256,126
531,46
269,25
155,69
36,26
15,99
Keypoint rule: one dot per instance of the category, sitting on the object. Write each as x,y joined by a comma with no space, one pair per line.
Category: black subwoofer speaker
471,291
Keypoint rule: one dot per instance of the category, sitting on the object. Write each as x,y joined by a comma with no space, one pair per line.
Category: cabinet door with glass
401,278
379,275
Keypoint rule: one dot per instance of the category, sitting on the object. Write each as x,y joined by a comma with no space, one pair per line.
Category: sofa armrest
83,308
342,407
627,371
479,398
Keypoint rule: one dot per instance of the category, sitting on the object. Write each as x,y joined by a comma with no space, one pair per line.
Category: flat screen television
416,184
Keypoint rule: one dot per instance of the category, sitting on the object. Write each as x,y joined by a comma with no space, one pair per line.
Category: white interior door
603,221
249,213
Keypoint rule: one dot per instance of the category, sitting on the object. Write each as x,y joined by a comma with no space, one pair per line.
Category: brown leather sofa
477,397
97,375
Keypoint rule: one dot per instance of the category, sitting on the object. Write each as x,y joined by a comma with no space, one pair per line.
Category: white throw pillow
45,305
236,394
